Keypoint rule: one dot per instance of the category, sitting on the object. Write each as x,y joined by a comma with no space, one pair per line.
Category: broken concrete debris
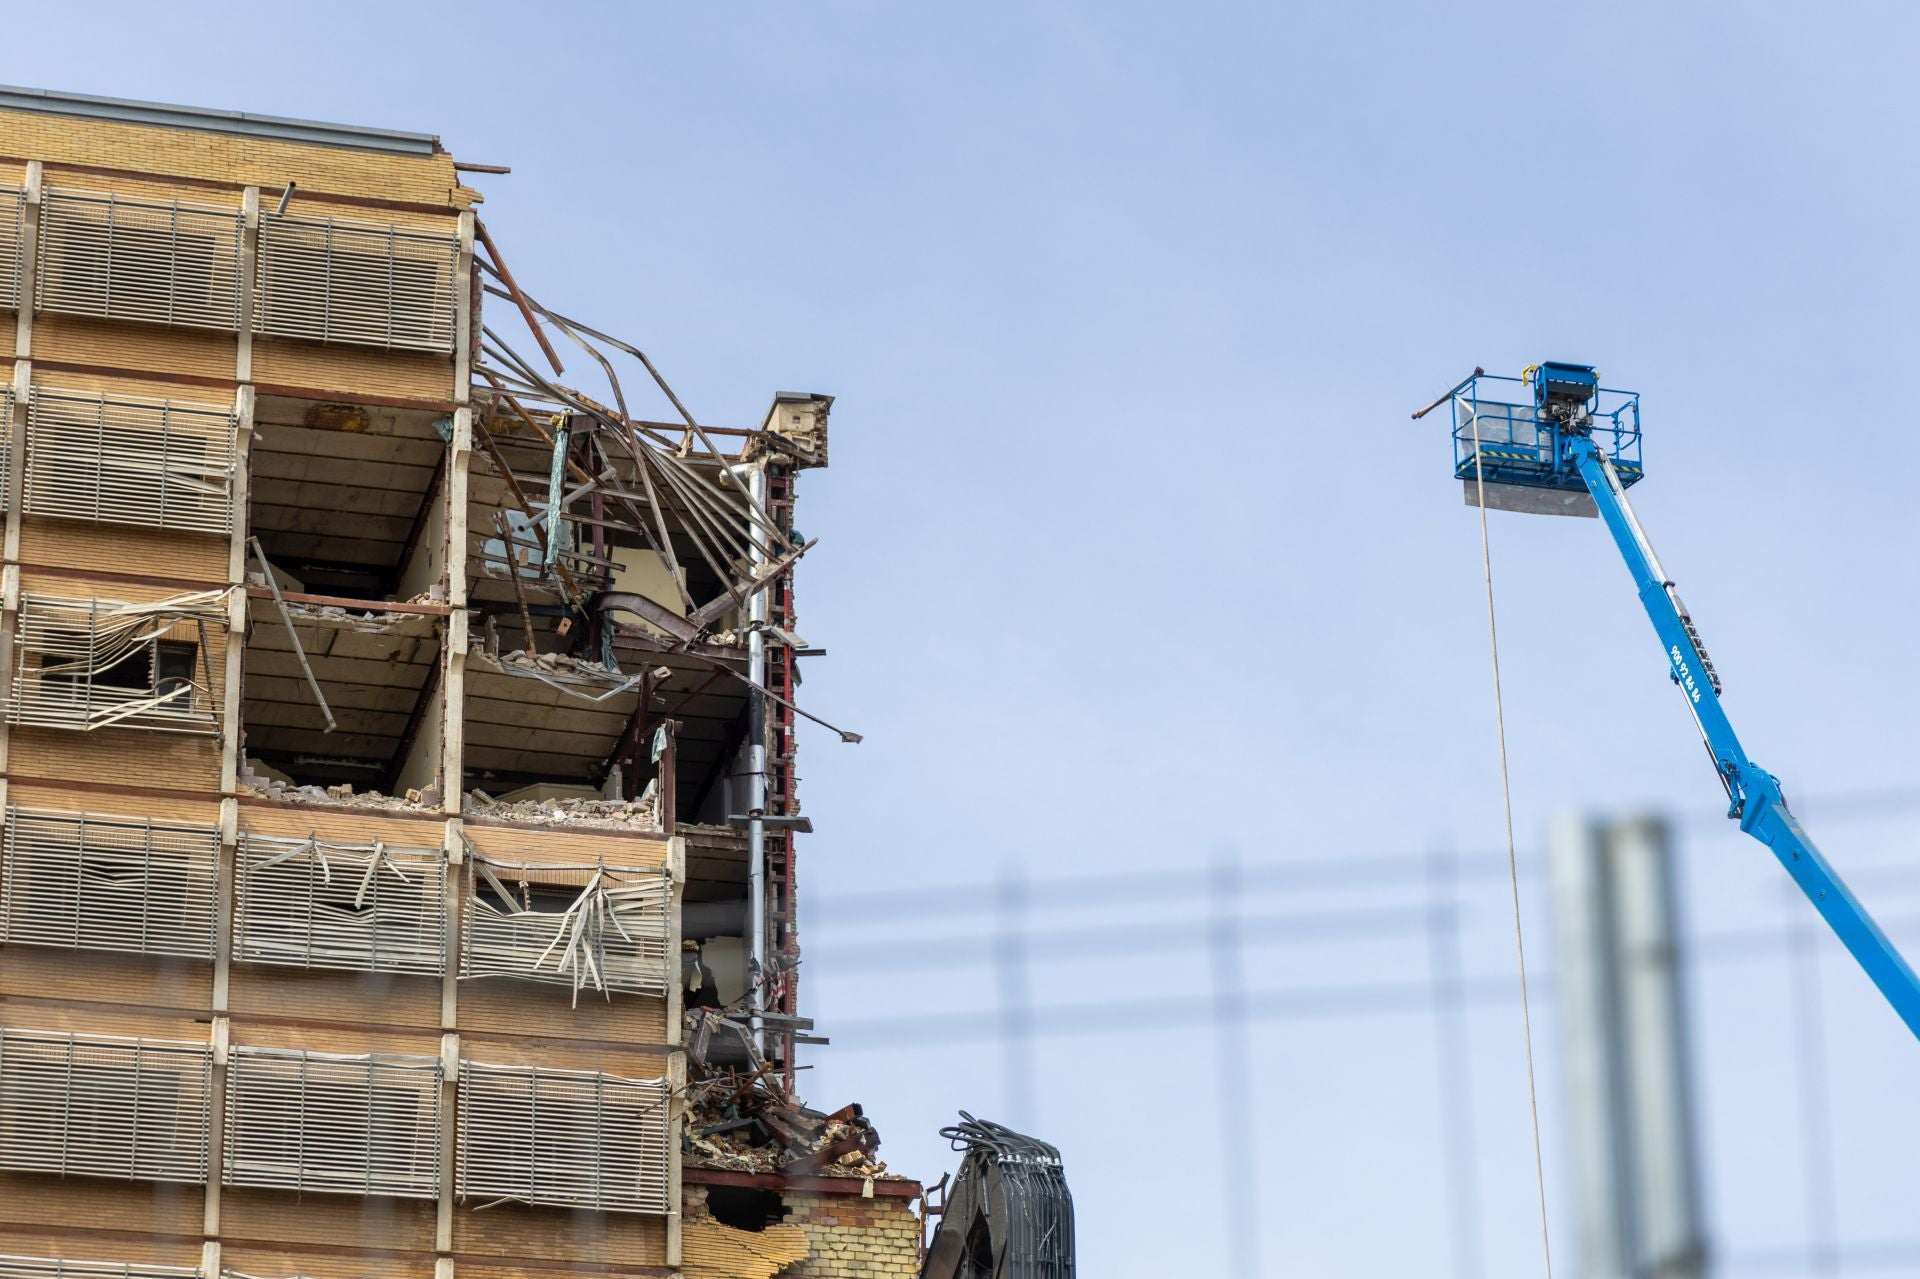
742,1117
643,812
265,782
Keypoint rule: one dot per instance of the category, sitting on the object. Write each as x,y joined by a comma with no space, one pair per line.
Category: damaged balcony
340,701
344,497
629,665
346,585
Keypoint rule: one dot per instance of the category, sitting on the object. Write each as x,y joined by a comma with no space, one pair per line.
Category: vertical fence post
1016,999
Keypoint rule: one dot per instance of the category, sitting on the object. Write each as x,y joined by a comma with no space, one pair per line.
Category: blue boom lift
1554,440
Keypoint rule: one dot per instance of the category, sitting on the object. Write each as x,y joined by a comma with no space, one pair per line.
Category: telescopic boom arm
1756,800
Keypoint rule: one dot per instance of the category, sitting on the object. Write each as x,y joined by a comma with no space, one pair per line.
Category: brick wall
822,1236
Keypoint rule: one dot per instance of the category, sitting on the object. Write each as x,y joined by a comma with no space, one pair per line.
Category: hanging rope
1513,860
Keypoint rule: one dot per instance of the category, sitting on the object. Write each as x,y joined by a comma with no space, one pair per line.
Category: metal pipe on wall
758,555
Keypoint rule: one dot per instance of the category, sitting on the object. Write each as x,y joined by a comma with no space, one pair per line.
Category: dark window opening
135,672
745,1209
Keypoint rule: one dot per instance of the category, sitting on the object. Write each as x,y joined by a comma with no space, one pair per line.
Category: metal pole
1590,1047
1453,1062
1624,1027
1015,998
757,764
1233,1058
1665,1180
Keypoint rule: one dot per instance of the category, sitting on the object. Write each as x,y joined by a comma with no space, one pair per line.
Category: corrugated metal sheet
363,1125
611,933
571,1138
96,663
113,258
310,903
89,881
367,283
13,221
122,460
98,1106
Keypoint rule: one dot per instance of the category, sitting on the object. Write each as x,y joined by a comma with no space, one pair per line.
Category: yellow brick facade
821,1235
230,161
129,773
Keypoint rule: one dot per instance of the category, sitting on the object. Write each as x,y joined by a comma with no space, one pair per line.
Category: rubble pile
284,790
740,1117
642,813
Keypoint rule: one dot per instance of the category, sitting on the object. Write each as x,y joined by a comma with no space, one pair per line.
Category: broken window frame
295,1122
286,905
82,638
127,460
615,934
105,1106
57,889
108,257
375,284
567,1138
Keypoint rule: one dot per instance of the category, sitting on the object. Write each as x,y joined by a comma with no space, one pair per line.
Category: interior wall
428,562
423,758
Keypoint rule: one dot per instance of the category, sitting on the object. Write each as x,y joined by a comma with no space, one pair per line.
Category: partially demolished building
398,747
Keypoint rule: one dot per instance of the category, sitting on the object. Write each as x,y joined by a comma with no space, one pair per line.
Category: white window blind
6,446
373,284
122,460
96,663
572,1138
88,881
364,1125
355,907
601,928
104,1107
13,221
69,1268
162,262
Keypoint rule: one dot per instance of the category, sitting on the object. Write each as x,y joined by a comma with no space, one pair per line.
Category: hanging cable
1513,859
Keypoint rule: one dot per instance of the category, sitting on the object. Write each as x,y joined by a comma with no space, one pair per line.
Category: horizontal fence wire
597,927
363,1125
90,881
121,460
97,663
569,1138
12,1267
373,284
160,262
350,907
13,221
99,1106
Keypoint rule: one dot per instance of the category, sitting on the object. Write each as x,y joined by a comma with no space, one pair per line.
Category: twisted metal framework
351,907
95,663
612,935
1009,1214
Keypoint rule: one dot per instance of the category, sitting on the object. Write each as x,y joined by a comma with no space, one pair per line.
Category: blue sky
1129,552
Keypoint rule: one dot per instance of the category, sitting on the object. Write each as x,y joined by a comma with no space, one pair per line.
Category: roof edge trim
207,120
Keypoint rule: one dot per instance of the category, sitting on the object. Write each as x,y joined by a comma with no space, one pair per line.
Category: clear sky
1129,553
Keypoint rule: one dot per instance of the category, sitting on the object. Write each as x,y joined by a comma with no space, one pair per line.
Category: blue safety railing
1517,444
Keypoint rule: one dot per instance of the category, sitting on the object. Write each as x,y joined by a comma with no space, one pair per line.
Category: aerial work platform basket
1513,429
